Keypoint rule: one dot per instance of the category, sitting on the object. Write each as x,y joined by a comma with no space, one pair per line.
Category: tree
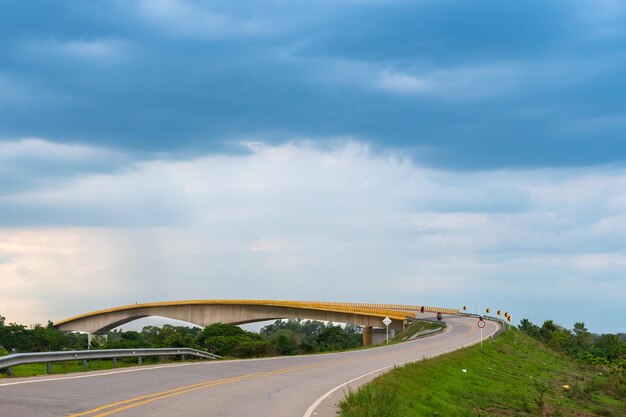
333,338
166,336
529,328
582,337
14,337
547,330
221,329
285,341
231,340
610,347
18,338
2,319
579,328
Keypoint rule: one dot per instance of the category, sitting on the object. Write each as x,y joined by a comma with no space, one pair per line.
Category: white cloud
100,49
270,244
402,83
186,19
596,125
421,79
604,17
20,90
97,51
39,149
298,222
457,83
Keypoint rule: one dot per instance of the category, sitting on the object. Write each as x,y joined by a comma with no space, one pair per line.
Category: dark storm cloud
479,85
35,164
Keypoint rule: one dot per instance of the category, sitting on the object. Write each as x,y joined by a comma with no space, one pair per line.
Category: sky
423,152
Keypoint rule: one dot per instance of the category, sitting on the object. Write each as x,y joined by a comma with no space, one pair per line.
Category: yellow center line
145,399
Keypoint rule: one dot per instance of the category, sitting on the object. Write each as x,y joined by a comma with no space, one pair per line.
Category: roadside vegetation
539,371
283,337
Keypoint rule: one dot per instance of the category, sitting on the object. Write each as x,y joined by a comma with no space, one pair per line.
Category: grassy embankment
512,375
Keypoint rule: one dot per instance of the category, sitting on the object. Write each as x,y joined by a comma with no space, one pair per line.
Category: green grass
503,378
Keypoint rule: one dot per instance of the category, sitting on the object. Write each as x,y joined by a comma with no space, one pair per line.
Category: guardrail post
161,358
115,362
10,371
182,358
139,360
85,364
49,367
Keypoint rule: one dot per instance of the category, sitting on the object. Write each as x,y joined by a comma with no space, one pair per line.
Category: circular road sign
481,323
439,316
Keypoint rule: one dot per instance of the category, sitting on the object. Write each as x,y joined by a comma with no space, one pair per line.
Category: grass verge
512,375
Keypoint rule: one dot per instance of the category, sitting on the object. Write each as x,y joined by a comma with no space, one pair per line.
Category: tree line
283,337
579,343
17,338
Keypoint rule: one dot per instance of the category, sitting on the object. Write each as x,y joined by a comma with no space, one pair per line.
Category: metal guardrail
426,333
15,359
503,323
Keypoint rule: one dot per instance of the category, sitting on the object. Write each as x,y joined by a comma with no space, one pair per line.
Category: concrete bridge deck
205,312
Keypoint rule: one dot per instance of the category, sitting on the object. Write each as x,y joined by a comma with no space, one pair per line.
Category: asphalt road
274,387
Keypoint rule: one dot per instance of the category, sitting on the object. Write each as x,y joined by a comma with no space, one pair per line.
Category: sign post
387,322
481,324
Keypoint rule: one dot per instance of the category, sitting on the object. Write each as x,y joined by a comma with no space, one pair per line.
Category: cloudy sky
425,152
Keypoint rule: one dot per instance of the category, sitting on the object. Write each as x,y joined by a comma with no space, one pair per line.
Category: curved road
273,387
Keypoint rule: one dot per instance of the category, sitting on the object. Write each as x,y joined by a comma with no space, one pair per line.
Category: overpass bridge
205,312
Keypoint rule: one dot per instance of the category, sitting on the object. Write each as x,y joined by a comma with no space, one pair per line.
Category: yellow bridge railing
393,311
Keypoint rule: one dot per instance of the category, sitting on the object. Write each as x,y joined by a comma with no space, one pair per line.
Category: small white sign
387,321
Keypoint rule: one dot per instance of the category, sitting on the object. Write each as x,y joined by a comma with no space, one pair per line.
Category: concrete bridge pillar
367,335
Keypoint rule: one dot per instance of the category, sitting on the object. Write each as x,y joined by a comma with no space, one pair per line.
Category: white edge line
312,407
121,371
